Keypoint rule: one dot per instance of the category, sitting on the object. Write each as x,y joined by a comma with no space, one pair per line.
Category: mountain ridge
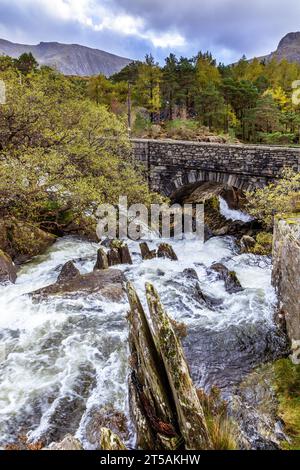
288,48
69,59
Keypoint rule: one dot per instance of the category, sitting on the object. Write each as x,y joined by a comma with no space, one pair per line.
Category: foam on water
232,214
74,350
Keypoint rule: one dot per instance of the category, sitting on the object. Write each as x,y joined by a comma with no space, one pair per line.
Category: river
64,359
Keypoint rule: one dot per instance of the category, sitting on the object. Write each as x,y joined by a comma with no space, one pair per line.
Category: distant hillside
70,59
288,48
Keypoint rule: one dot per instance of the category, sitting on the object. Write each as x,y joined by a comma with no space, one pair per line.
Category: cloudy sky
228,28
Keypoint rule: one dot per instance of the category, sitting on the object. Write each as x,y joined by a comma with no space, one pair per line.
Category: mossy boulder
110,440
68,443
22,241
166,251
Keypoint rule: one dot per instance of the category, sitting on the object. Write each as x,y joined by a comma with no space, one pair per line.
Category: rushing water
233,214
66,358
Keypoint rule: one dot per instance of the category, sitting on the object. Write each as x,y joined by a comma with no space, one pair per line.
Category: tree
129,73
170,84
266,114
100,90
206,72
242,97
60,154
281,197
186,80
6,63
210,107
147,88
26,63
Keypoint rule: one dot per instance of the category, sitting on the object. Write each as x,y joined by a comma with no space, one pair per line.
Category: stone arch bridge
173,166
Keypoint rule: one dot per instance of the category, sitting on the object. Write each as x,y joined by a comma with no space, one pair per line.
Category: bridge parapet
172,164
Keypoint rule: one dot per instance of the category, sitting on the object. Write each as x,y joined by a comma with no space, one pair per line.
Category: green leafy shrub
280,197
264,243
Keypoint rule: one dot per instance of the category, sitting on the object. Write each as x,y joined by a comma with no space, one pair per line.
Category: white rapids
63,359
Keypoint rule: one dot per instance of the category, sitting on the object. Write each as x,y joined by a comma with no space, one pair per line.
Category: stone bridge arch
174,187
173,165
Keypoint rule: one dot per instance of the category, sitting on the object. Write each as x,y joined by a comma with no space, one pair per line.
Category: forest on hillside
250,100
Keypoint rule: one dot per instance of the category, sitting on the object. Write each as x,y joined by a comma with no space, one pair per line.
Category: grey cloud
229,28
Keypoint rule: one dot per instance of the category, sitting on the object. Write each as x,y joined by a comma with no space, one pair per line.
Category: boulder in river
114,257
8,271
22,241
247,243
69,271
146,252
107,283
232,284
191,274
102,260
166,251
119,253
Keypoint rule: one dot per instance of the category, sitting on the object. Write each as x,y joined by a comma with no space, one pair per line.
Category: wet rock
150,407
191,287
69,271
285,277
234,197
110,441
166,251
125,255
255,407
119,253
22,241
247,243
180,328
102,260
68,408
106,417
160,273
202,298
114,257
146,252
221,231
8,271
232,284
164,402
68,443
208,233
107,283
191,420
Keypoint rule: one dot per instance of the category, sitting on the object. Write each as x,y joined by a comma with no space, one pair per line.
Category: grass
221,428
287,384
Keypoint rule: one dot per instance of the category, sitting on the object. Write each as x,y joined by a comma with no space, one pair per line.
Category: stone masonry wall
172,164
